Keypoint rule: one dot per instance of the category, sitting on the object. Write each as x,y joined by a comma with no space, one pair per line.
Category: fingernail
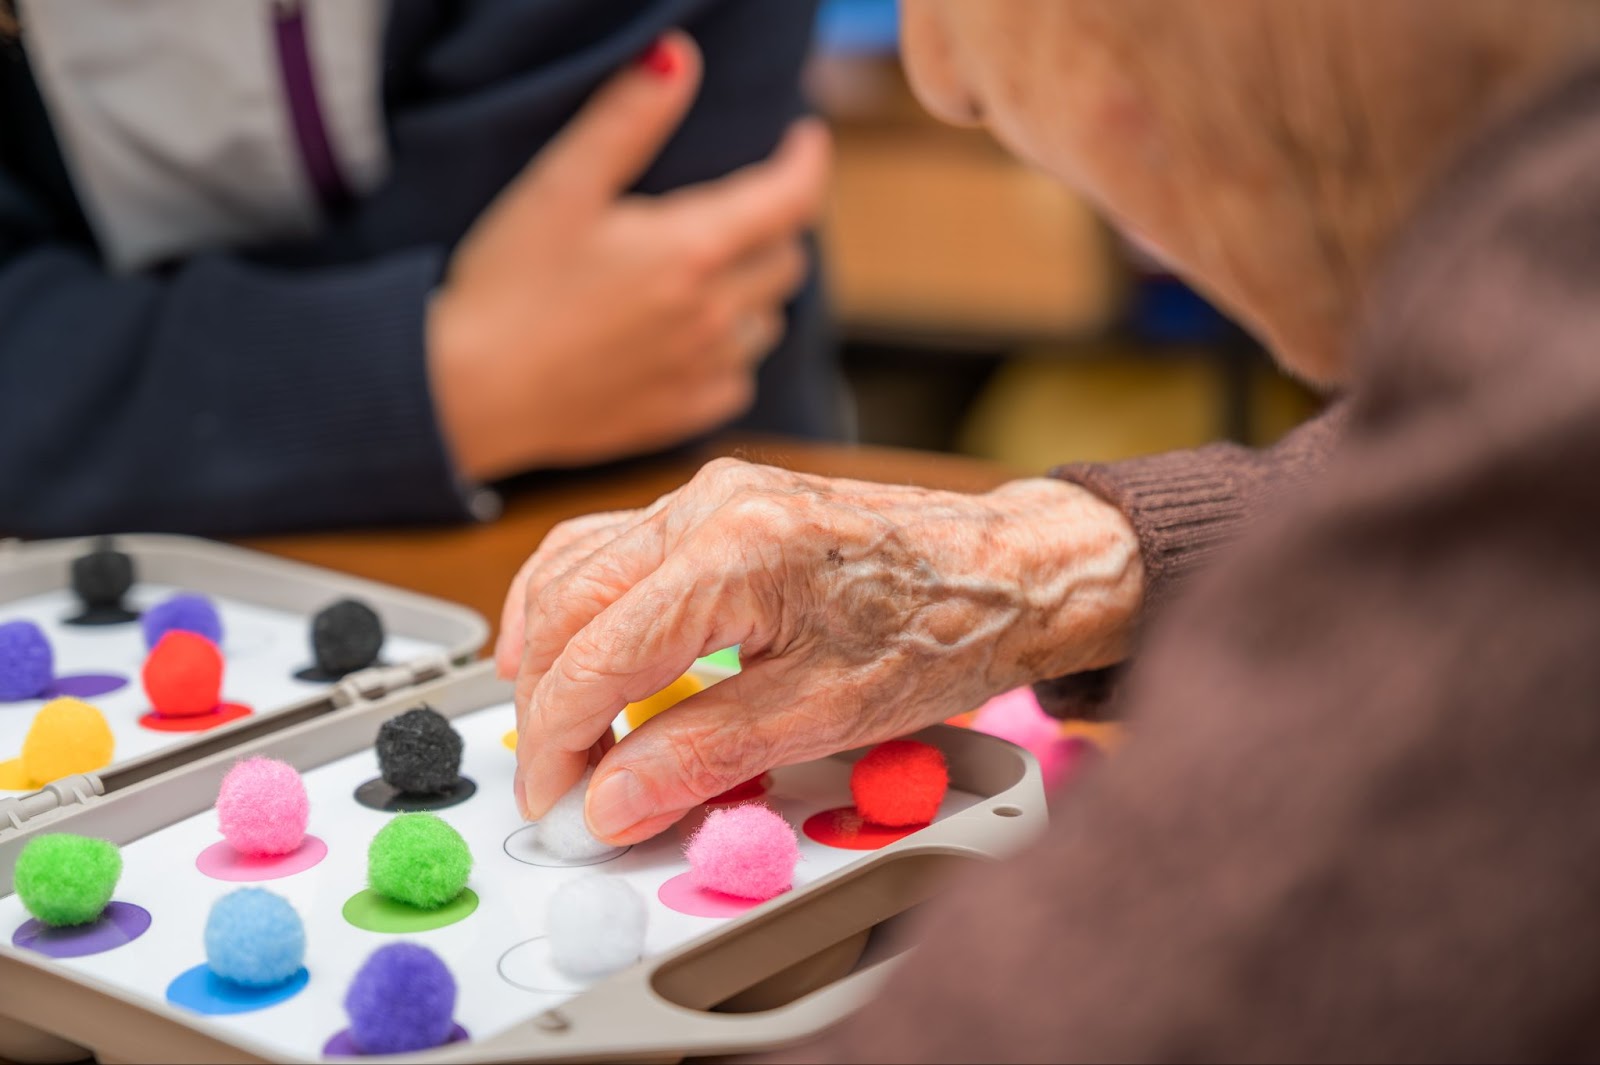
659,59
615,804
521,796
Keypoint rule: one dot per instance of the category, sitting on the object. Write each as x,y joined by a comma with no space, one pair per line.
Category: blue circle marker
203,991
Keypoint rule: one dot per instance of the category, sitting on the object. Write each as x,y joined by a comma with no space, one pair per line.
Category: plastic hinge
379,681
77,790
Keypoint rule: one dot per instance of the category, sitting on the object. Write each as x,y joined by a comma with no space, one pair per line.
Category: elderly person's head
1268,149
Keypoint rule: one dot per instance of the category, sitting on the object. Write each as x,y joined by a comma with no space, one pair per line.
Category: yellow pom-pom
67,736
510,740
673,694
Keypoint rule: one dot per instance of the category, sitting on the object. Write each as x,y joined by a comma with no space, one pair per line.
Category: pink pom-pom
263,808
1017,717
745,851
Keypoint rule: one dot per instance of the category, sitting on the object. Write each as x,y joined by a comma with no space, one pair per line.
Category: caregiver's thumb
608,145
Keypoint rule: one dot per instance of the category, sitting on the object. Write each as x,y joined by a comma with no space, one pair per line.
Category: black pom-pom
419,753
102,577
345,637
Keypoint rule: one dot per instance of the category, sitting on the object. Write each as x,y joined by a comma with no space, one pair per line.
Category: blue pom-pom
27,665
402,999
254,938
185,612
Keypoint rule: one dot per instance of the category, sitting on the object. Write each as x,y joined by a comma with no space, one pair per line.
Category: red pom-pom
900,783
183,675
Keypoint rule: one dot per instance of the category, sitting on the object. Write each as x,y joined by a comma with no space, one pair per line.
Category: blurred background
1017,328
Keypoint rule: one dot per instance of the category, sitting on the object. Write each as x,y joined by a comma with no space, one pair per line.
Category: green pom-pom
67,880
419,860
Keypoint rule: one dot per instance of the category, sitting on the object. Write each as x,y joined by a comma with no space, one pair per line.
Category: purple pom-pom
27,665
184,612
402,999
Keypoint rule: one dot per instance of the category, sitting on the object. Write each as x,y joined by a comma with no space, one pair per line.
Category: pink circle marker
221,861
682,894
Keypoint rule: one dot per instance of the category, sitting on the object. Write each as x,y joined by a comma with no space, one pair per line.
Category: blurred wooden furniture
474,564
936,234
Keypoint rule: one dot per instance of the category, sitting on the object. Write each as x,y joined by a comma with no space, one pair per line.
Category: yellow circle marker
510,740
673,694
67,736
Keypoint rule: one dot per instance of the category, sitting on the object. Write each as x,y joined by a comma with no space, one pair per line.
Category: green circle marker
373,912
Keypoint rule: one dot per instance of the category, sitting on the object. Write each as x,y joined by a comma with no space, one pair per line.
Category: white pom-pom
562,832
595,926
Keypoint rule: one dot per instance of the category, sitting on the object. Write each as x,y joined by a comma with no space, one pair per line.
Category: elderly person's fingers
566,543
647,636
703,747
569,600
558,600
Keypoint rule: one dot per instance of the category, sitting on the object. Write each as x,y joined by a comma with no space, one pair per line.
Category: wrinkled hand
862,611
578,323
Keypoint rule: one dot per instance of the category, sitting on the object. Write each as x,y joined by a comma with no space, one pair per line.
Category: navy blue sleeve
286,387
222,398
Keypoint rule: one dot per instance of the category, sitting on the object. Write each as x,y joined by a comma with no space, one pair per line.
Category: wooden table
472,565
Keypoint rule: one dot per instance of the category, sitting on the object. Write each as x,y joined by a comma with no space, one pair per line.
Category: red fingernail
659,59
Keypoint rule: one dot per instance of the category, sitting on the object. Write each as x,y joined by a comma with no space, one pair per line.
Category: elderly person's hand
862,611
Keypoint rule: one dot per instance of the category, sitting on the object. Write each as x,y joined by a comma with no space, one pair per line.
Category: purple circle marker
118,925
86,685
681,893
221,861
342,1046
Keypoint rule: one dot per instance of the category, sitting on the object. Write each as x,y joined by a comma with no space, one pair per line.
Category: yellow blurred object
1041,410
1106,735
638,713
510,739
67,736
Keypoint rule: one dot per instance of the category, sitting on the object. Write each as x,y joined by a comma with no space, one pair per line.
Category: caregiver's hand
863,611
579,322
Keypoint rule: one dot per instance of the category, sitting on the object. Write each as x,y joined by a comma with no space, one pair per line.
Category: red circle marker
751,789
221,715
845,829
682,894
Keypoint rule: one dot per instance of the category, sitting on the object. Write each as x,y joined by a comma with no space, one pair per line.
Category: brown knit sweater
1185,507
1361,819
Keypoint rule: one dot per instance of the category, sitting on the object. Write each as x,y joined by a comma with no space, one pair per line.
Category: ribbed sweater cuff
1183,507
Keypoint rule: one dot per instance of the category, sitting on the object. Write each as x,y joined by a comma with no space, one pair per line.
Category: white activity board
263,648
495,953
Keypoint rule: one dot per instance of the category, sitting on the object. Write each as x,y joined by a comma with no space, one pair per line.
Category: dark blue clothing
285,387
